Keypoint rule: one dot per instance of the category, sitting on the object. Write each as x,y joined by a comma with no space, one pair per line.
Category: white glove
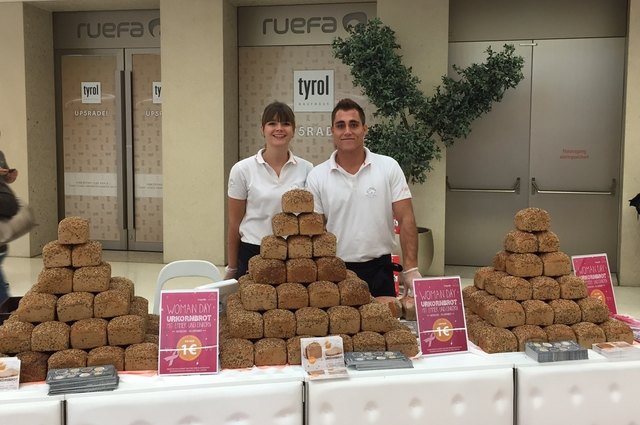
230,273
408,277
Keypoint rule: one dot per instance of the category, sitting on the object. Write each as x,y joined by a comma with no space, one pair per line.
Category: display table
30,405
597,392
256,396
451,389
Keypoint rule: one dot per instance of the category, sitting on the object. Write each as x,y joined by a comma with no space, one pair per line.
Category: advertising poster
188,332
440,315
594,269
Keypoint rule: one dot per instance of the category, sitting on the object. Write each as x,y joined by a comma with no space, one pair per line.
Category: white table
30,405
256,396
450,389
595,392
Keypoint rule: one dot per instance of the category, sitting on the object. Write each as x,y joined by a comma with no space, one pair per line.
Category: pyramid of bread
297,287
530,294
77,314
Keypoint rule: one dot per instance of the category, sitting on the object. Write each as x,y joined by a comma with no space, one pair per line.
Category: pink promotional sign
440,313
188,332
594,269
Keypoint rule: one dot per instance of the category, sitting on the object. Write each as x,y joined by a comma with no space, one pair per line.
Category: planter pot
425,249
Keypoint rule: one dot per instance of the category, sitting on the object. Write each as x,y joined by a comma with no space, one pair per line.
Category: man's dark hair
347,105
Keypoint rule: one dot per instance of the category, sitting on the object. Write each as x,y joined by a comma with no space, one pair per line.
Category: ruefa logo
134,29
300,25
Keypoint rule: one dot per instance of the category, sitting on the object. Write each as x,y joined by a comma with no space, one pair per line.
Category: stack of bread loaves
530,294
77,314
298,288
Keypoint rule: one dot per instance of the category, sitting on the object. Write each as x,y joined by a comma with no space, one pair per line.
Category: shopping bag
18,225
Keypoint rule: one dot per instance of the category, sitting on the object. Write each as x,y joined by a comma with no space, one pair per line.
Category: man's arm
403,212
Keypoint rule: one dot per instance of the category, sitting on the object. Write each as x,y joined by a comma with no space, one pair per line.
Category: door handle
514,189
536,189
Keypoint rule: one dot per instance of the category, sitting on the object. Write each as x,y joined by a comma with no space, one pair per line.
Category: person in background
8,208
256,185
359,193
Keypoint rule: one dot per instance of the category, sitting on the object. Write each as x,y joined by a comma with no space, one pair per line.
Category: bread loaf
323,294
312,321
106,355
70,358
496,340
311,224
75,306
58,280
279,323
527,333
258,297
270,352
481,275
492,279
123,284
88,333
36,307
245,324
513,288
274,247
332,269
505,314
555,263
403,341
55,254
86,254
572,287
111,303
547,241
544,288
593,310
50,336
142,356
73,230
33,366
300,246
615,330
376,317
324,245
368,341
537,312
558,332
521,242
285,224
297,201
269,271
92,278
354,292
344,320
532,220
588,334
15,336
292,296
565,312
524,265
126,330
301,270
236,353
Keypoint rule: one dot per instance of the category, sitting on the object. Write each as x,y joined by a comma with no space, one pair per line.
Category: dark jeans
245,252
378,273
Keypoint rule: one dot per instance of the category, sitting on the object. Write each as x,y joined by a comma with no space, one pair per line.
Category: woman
8,208
256,185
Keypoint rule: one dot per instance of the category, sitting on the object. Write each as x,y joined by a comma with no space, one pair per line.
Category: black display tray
7,307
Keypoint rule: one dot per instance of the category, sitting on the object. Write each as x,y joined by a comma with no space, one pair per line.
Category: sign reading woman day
188,332
440,314
594,269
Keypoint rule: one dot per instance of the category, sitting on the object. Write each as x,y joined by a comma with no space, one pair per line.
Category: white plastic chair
185,268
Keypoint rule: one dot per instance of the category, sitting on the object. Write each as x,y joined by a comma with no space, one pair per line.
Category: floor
143,269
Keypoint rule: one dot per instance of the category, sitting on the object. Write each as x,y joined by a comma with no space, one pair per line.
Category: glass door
109,144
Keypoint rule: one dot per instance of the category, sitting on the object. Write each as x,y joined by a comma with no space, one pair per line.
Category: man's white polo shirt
358,207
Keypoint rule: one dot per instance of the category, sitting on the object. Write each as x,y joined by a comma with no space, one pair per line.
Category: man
8,208
360,193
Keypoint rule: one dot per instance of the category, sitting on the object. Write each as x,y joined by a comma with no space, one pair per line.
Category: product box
544,352
617,350
9,373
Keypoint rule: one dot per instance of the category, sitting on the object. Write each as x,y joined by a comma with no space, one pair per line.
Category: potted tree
409,125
